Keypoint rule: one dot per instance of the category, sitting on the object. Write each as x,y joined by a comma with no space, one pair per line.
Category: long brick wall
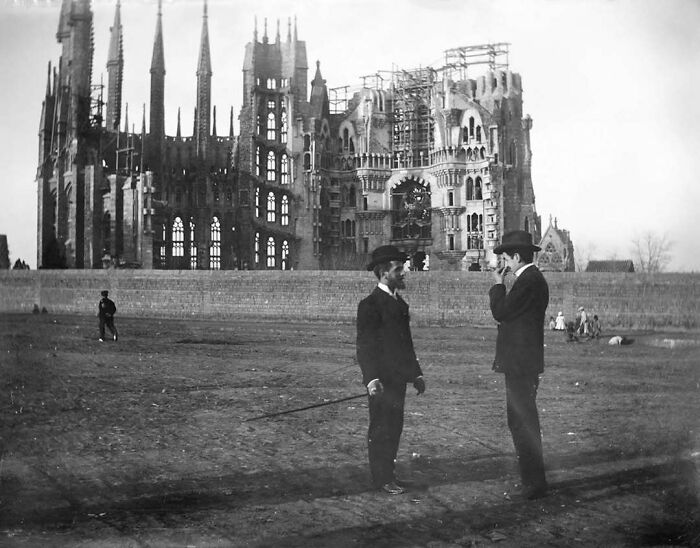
436,298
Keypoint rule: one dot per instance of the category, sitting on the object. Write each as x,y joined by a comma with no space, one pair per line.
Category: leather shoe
391,488
404,482
533,492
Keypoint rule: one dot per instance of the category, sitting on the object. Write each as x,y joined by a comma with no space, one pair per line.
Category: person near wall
520,314
560,322
388,362
596,327
106,310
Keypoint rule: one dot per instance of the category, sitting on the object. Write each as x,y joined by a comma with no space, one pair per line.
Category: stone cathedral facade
430,160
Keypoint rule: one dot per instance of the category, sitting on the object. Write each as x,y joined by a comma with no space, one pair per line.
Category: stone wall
436,298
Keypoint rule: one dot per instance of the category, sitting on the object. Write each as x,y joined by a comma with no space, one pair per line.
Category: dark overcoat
520,315
384,343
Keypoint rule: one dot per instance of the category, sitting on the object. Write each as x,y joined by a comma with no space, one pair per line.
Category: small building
557,253
610,266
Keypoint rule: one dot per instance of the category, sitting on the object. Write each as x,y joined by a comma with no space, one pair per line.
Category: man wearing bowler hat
388,362
520,314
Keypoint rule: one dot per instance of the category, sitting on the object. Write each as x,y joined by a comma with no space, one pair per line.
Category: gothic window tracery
271,166
178,238
271,207
270,252
284,165
284,211
193,246
215,244
285,255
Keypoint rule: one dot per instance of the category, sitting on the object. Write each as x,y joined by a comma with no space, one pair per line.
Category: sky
611,86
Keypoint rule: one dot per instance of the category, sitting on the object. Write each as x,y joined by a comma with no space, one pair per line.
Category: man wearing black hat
388,362
520,315
106,311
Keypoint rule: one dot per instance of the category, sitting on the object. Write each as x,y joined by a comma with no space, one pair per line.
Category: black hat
104,293
385,254
514,240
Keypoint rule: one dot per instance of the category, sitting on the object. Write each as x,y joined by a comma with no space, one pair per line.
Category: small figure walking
106,311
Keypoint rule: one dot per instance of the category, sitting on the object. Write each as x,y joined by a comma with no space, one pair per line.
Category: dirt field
143,442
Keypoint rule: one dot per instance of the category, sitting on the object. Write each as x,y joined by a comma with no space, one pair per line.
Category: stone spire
115,70
157,122
203,122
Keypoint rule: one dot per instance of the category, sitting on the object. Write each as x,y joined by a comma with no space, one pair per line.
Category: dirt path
143,442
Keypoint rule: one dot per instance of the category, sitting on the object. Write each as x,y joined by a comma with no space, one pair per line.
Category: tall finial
255,30
277,36
205,8
289,29
295,28
160,8
179,132
126,118
265,32
230,131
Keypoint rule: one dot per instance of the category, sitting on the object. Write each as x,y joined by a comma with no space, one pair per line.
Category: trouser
109,322
524,424
385,427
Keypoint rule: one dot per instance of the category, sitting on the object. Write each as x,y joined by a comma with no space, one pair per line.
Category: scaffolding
412,121
458,60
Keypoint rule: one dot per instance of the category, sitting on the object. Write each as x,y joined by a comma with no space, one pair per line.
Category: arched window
478,134
352,197
271,207
471,126
271,83
283,128
193,246
482,153
284,165
346,138
164,237
285,255
258,161
257,248
271,166
257,201
215,244
465,134
284,211
271,126
450,198
477,189
270,252
348,227
178,238
470,189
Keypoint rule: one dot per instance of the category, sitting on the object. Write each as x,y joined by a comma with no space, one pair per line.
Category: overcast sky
611,86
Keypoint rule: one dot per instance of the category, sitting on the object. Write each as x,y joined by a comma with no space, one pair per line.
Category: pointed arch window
478,134
471,126
178,238
283,127
284,211
470,188
215,244
163,238
258,161
257,248
285,255
284,165
271,166
271,207
257,201
193,246
271,126
477,189
270,252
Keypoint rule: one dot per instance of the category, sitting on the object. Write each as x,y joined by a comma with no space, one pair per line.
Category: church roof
610,266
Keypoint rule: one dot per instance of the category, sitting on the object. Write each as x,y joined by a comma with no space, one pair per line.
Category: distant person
582,319
560,323
571,332
552,323
596,328
106,311
388,362
520,314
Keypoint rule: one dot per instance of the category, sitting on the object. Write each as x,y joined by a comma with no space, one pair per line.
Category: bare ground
144,442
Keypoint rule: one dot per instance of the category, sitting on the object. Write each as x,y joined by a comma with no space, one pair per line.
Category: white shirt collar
386,289
522,269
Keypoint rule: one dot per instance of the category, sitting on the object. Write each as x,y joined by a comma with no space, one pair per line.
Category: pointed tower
157,118
203,119
115,70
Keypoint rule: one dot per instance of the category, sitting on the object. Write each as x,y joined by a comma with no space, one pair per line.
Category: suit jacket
106,308
520,315
384,343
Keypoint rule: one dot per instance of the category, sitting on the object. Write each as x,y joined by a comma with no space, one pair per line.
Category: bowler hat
385,254
104,293
514,240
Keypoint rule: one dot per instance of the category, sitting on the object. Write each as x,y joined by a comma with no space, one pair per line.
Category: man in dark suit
388,362
520,315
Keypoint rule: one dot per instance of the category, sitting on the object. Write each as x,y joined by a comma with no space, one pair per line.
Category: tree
651,252
582,255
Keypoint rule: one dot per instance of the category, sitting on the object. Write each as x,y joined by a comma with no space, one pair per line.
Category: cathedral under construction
428,159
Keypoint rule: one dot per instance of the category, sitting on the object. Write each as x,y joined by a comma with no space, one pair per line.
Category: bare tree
583,255
651,252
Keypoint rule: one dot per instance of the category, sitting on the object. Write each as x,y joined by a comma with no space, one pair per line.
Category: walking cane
268,415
